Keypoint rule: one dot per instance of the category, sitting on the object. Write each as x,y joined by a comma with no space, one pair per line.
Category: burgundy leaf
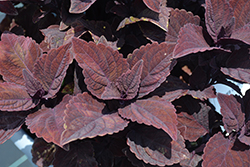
10,120
192,160
191,40
244,134
155,147
55,38
153,111
219,17
81,154
178,18
101,65
233,117
104,41
241,12
156,65
80,6
241,74
48,122
194,126
17,53
50,69
220,151
242,34
155,4
7,134
84,118
43,152
7,7
14,98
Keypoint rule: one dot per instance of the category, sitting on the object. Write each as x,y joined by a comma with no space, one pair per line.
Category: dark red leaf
191,40
241,13
241,74
233,117
43,152
153,111
178,18
14,97
81,154
85,119
48,122
219,17
242,34
55,38
101,65
155,5
7,134
50,69
156,65
104,41
220,151
192,160
244,134
80,6
156,147
194,126
17,53
7,7
10,120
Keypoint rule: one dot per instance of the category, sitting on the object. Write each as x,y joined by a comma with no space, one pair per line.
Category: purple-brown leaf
153,111
7,134
233,117
48,122
220,151
241,74
242,34
156,65
80,6
50,69
101,65
7,7
17,53
155,4
85,119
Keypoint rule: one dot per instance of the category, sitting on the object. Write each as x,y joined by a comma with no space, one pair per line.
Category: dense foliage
123,83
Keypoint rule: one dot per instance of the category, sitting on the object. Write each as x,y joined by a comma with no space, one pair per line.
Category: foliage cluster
123,83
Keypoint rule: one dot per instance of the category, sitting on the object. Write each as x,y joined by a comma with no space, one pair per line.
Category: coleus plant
128,93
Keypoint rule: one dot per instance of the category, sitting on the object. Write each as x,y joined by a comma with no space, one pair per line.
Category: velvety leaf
194,126
192,160
155,4
7,134
219,17
48,122
153,111
220,151
55,38
10,120
178,18
233,117
126,86
85,119
81,154
241,74
7,7
156,65
104,41
17,53
43,152
242,34
244,134
50,69
101,65
155,147
191,40
241,13
80,6
14,97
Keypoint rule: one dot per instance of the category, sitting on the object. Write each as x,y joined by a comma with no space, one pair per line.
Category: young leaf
241,13
48,122
81,154
219,17
155,147
244,134
14,98
220,151
17,53
84,118
192,160
153,111
178,18
156,65
101,65
50,69
127,85
233,117
80,6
